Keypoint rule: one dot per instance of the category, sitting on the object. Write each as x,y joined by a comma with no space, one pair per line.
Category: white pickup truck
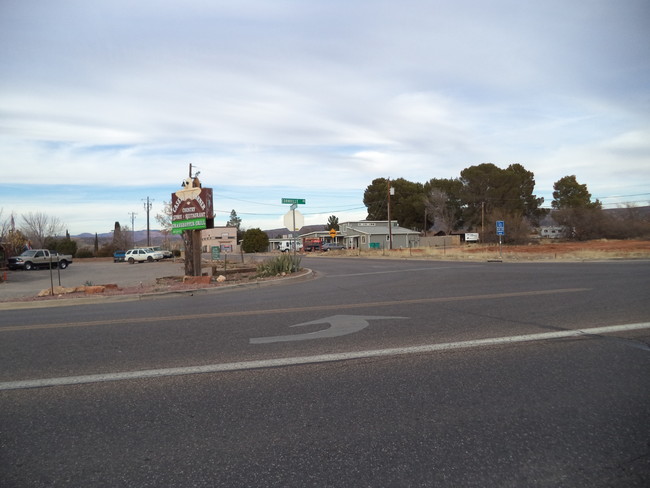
39,258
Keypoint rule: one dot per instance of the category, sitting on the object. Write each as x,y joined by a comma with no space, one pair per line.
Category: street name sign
298,201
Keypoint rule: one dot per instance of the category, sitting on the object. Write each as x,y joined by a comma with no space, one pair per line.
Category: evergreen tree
332,223
234,220
580,217
568,193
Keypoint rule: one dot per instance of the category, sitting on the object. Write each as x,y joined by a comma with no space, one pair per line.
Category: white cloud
312,95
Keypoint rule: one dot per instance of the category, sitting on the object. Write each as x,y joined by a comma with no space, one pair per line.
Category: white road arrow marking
339,325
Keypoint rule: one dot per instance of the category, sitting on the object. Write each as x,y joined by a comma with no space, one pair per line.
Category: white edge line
323,358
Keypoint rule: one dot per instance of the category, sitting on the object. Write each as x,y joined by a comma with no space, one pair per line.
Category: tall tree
568,193
443,204
506,193
234,220
375,198
407,202
332,223
581,218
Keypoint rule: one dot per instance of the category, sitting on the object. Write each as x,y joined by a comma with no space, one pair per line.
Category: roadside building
225,238
369,234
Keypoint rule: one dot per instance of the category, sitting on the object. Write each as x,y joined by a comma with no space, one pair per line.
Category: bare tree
5,227
442,209
38,226
11,239
165,221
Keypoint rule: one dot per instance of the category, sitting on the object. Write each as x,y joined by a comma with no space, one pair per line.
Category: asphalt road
375,373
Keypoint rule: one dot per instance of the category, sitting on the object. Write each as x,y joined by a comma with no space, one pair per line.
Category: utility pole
482,222
147,208
391,191
425,220
133,214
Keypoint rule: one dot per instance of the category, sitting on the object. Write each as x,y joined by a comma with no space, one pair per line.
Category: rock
92,290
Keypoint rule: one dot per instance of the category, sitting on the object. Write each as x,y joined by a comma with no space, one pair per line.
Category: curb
94,299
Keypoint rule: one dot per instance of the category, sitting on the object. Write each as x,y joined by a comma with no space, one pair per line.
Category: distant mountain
283,231
156,237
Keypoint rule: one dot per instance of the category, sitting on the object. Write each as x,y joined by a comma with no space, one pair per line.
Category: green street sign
178,226
298,201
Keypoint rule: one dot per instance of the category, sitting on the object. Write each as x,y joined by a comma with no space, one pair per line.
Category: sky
104,104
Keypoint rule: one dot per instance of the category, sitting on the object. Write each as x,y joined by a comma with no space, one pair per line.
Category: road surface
375,373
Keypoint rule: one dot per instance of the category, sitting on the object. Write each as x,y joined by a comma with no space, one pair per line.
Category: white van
288,246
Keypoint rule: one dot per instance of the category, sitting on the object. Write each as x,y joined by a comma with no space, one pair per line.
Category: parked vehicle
39,258
166,254
142,255
312,245
118,256
289,246
329,246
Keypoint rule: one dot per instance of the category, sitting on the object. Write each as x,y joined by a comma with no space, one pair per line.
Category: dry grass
543,251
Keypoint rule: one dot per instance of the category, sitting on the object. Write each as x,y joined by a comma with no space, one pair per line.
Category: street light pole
133,214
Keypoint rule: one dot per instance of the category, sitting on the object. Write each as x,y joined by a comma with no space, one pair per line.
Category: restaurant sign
192,208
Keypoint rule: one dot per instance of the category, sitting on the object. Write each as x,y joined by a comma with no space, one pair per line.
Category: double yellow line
241,313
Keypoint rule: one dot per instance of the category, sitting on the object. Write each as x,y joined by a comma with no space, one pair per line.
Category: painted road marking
323,358
340,325
337,307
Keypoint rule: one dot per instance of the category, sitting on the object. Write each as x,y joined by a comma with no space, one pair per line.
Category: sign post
294,202
501,231
216,253
192,210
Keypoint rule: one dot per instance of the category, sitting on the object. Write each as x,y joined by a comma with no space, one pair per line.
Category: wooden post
196,243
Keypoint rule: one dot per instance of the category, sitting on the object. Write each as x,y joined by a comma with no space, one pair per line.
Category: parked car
142,255
118,256
328,246
166,254
310,245
39,258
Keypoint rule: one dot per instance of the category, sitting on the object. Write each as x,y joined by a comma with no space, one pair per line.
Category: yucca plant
286,263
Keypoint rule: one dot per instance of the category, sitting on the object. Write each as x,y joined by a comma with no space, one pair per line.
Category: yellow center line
242,313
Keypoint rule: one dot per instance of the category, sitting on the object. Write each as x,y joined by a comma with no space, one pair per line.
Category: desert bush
84,253
286,263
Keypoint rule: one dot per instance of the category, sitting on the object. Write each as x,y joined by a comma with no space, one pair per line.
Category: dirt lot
102,277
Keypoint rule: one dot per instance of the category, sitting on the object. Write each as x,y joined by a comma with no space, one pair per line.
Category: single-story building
369,234
223,237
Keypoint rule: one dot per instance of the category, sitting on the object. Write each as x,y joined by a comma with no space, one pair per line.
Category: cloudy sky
106,103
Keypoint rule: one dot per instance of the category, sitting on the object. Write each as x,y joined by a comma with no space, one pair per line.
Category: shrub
84,253
286,263
255,240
